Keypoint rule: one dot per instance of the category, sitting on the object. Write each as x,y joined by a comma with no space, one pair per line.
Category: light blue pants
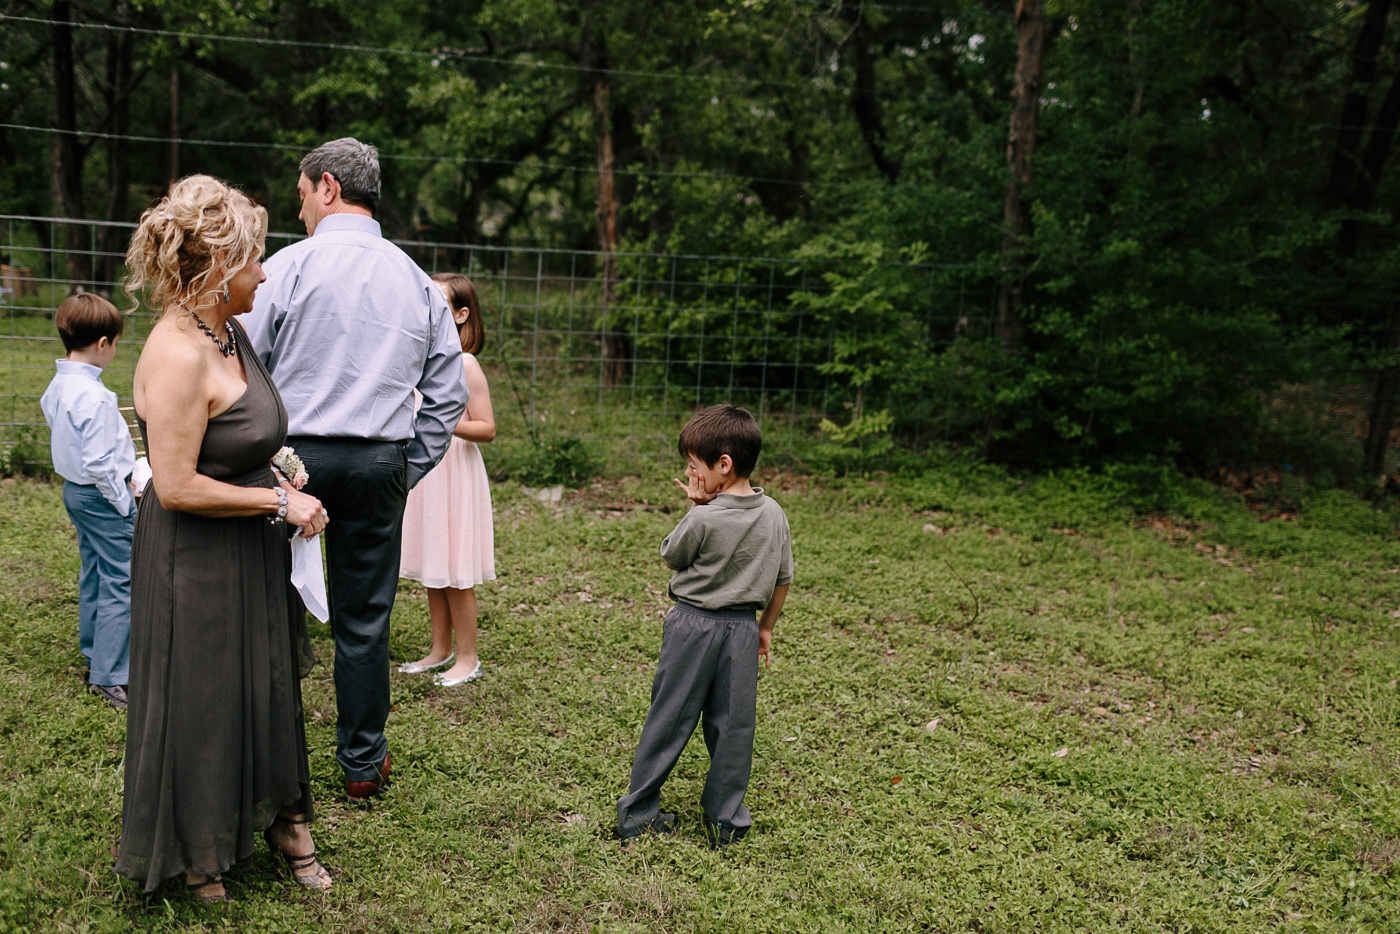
104,582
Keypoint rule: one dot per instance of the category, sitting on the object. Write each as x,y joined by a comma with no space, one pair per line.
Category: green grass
1218,754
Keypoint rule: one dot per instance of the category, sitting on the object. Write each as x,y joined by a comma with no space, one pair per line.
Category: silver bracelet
281,506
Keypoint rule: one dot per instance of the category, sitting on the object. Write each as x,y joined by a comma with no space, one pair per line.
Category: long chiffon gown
448,534
215,742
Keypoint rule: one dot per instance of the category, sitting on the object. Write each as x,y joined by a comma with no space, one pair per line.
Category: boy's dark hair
84,318
723,429
461,293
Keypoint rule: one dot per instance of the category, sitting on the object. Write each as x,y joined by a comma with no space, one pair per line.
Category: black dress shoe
663,823
114,694
722,835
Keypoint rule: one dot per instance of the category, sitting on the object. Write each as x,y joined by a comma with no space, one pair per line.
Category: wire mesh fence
618,362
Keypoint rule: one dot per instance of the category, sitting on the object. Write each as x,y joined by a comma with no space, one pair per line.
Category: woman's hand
305,511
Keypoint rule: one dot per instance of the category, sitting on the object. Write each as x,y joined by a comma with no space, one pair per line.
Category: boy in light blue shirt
93,452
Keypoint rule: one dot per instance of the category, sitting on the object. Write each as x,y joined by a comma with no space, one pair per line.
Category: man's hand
694,490
765,643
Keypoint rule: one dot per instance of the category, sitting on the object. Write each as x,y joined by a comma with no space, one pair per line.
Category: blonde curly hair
193,241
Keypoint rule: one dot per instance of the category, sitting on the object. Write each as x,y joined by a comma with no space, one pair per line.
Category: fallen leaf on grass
1299,728
897,779
933,724
789,739
1061,752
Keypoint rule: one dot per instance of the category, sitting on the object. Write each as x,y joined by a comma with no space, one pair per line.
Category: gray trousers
708,669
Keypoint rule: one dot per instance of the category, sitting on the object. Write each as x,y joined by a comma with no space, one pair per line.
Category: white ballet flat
453,682
413,668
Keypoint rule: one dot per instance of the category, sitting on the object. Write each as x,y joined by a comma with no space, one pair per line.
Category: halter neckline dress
215,742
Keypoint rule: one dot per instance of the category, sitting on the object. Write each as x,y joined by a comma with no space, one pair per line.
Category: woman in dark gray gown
216,746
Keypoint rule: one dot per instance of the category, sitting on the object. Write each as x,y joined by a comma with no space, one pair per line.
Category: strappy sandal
194,888
294,863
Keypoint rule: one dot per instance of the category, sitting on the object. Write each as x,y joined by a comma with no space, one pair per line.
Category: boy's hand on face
694,489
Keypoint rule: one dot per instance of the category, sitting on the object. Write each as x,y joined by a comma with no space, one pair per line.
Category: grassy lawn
994,706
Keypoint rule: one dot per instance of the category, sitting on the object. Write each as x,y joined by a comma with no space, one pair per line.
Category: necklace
227,349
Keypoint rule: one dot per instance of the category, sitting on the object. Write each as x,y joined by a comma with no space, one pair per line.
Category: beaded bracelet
281,506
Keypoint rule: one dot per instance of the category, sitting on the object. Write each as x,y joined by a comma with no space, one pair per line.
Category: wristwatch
281,515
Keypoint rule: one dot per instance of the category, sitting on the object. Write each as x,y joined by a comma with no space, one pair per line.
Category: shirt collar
348,222
75,368
740,500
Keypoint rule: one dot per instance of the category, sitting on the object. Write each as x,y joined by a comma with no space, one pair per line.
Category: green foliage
862,441
1185,278
549,459
26,455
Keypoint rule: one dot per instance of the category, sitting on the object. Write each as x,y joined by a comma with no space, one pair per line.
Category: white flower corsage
291,467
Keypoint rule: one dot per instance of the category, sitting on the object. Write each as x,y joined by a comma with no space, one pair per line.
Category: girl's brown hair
461,293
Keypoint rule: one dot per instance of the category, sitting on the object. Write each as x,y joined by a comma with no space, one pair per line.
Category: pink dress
448,539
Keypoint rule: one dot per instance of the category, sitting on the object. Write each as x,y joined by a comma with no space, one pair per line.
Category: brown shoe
362,792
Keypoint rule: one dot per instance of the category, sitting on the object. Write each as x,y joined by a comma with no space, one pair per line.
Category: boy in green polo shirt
732,558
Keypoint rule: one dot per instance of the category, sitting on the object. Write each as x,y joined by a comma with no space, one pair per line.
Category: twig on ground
976,603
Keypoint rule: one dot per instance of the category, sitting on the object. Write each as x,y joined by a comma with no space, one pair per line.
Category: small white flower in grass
292,468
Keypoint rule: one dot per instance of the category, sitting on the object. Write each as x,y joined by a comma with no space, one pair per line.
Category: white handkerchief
307,576
141,474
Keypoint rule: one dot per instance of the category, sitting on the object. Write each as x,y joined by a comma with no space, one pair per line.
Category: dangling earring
225,293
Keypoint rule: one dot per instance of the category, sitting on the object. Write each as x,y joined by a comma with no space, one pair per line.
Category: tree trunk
69,152
174,126
864,102
1370,166
1020,150
120,46
1352,185
617,350
1357,103
1382,414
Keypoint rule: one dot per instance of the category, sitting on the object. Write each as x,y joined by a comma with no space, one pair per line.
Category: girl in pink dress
447,530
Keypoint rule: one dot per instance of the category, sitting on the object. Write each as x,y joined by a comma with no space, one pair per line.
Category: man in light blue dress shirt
349,327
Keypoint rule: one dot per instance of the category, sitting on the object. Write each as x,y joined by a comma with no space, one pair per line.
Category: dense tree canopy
1209,217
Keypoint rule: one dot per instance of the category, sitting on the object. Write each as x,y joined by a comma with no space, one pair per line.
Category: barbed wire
434,55
444,52
406,157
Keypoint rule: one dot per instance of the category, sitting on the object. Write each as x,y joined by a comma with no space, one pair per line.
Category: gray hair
352,163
